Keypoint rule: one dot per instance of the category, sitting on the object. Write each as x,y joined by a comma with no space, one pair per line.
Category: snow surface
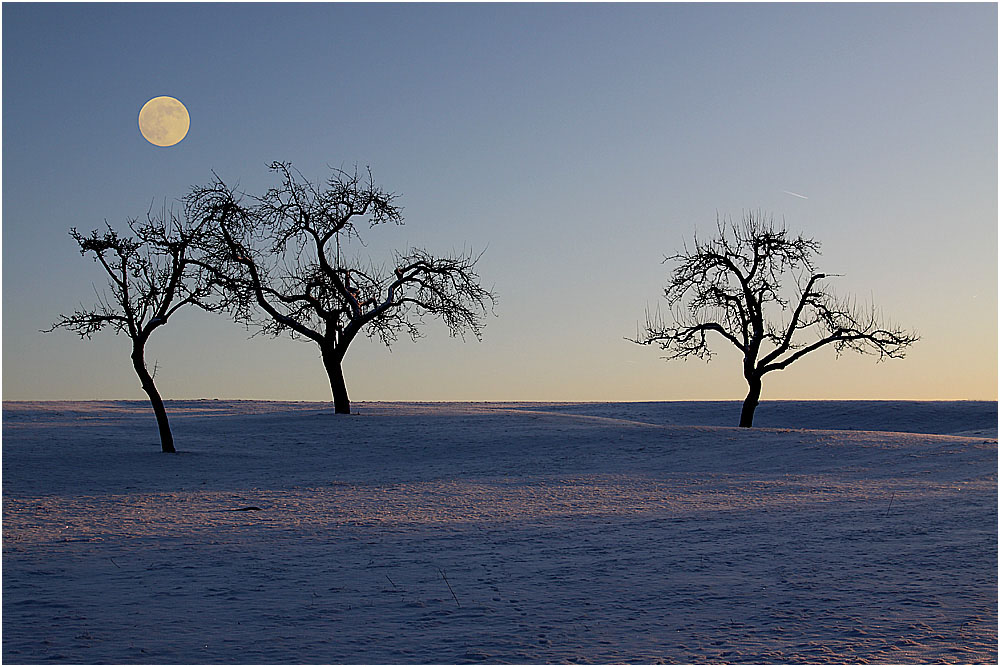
525,533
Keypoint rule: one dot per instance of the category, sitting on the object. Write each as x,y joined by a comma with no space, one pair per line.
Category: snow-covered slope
941,417
527,532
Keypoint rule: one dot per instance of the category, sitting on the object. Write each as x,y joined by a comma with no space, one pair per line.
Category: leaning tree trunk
332,361
750,402
139,363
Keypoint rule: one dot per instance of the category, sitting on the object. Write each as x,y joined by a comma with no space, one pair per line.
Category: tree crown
149,274
284,255
757,286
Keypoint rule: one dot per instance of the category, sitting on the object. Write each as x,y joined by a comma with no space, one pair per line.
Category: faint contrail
795,194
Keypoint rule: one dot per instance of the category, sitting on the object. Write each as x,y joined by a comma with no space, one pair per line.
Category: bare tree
284,256
732,287
150,276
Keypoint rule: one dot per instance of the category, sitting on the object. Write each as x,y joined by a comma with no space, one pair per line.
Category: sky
578,144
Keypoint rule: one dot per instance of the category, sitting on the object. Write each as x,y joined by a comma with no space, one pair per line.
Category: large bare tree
736,287
150,276
287,258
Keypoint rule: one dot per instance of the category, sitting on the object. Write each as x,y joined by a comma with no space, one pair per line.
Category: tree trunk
750,402
139,363
334,370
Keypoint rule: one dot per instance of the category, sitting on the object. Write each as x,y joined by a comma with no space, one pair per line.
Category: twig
113,562
392,582
449,587
890,503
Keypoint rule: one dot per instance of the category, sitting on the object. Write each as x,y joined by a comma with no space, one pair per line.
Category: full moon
164,121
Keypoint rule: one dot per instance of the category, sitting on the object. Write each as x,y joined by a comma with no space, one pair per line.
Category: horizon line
424,401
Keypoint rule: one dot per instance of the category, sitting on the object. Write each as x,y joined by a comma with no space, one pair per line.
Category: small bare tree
732,286
150,276
283,257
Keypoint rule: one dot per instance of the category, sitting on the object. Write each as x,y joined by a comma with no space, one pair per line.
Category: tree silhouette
283,257
150,276
732,286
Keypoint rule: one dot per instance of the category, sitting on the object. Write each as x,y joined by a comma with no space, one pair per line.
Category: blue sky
578,143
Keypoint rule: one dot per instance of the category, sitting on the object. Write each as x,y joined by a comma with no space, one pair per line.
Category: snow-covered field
526,533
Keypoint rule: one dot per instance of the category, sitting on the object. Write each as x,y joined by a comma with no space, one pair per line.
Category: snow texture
491,533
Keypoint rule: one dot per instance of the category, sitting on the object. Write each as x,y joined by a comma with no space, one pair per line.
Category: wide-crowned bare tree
150,276
286,258
757,287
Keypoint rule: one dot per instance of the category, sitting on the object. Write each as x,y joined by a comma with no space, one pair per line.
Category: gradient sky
579,143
